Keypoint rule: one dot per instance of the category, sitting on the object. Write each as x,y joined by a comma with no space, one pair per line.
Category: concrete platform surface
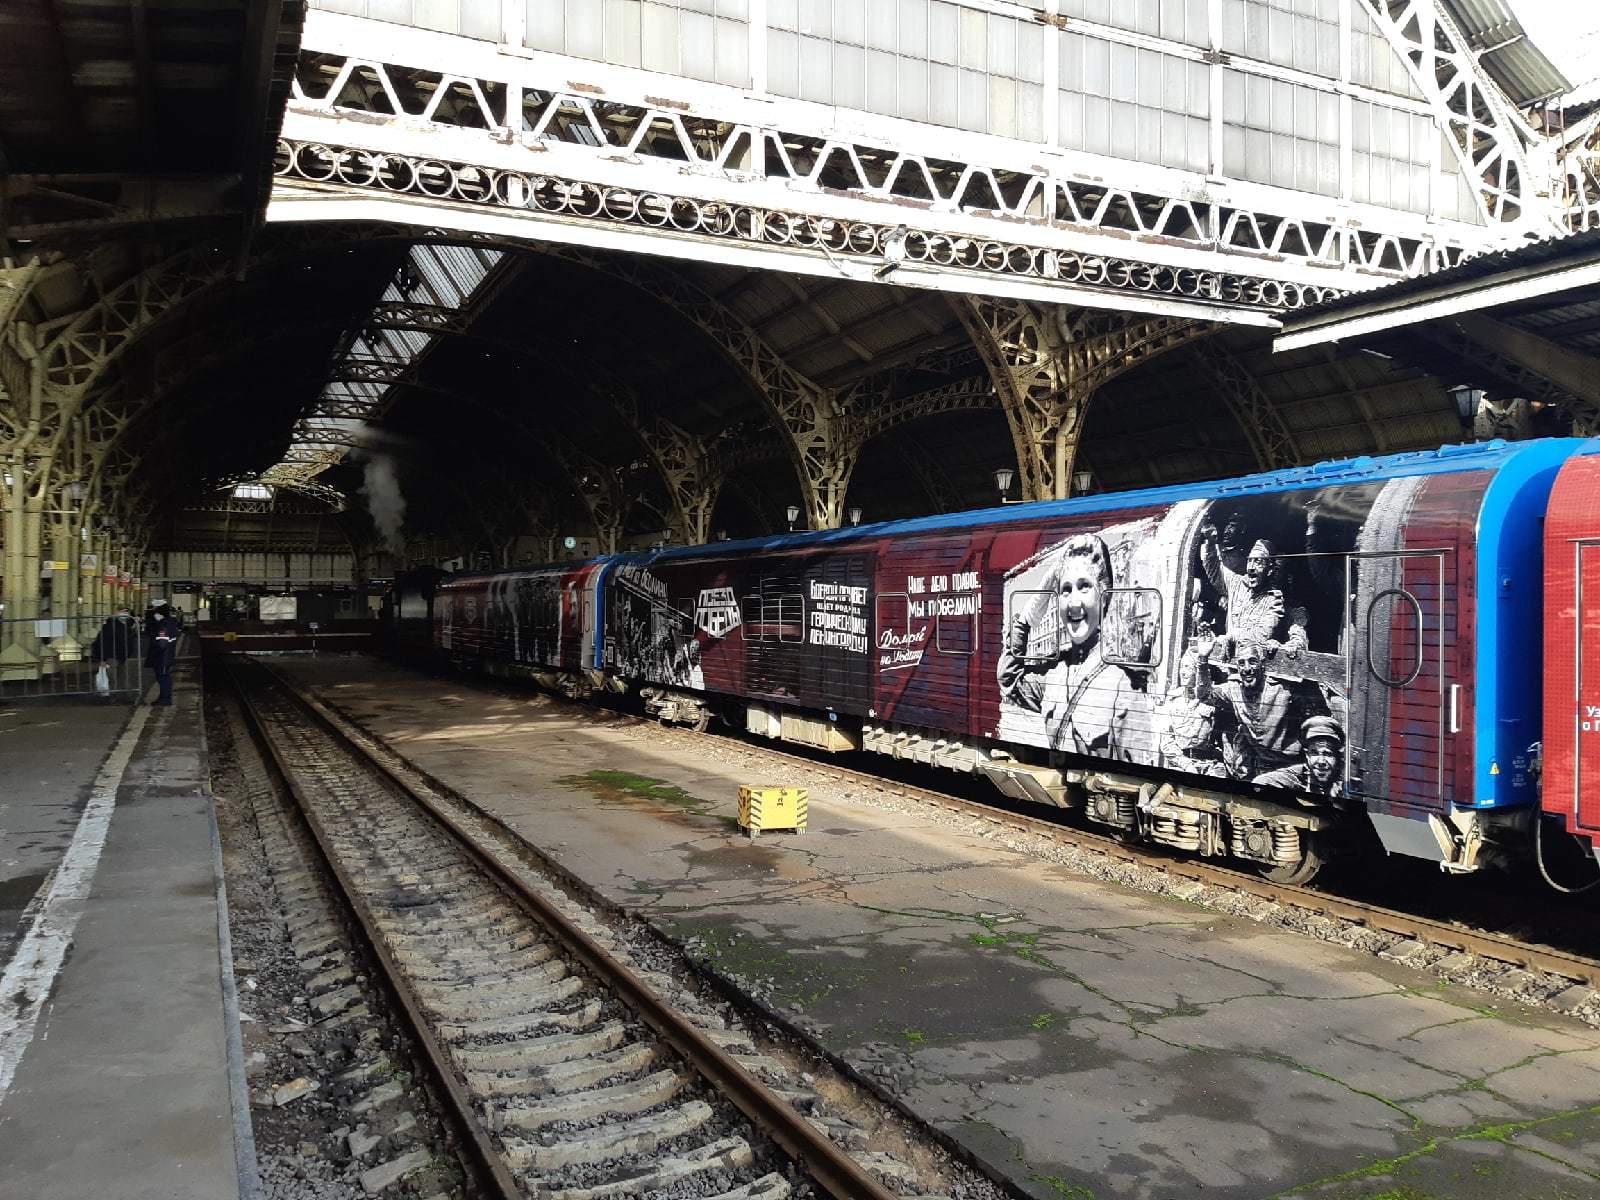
116,1077
1088,1040
50,752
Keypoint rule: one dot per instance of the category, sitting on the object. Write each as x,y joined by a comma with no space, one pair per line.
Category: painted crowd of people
1228,716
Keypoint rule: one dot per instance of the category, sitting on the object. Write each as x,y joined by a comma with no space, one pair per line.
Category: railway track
1426,930
1448,935
569,1075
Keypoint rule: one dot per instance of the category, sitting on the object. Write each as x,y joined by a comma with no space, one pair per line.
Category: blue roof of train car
1471,456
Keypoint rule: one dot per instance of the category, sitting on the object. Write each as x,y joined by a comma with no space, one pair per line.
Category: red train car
1231,668
1571,760
538,622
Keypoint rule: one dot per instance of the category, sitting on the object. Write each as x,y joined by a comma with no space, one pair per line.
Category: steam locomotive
1264,668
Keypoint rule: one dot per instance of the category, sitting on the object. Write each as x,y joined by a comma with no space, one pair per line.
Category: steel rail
491,1168
831,1168
1427,930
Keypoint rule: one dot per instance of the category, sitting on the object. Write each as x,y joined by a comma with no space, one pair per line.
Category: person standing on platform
117,639
163,655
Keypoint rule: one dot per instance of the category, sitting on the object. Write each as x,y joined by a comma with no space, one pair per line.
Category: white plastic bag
102,681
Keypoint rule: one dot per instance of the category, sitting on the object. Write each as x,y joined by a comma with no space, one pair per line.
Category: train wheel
1296,874
703,722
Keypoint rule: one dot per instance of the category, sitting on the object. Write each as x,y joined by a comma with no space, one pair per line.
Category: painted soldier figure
1260,718
1255,606
1322,772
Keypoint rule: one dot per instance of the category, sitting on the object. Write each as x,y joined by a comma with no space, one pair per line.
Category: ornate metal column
1047,364
598,486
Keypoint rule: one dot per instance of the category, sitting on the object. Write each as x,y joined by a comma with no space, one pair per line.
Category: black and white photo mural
652,635
1209,637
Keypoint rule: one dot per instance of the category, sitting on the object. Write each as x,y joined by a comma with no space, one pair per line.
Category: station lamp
794,515
1002,482
1467,401
855,515
1082,481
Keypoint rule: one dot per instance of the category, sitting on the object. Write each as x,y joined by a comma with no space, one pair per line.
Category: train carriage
1233,667
1570,791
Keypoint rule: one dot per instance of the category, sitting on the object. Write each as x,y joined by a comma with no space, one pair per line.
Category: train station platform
120,1071
1085,1039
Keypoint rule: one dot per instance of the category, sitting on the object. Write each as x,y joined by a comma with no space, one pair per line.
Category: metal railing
63,656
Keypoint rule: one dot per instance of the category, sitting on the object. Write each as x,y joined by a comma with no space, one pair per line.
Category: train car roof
1470,456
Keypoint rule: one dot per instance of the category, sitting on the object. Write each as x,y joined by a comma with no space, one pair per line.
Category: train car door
1585,696
1394,677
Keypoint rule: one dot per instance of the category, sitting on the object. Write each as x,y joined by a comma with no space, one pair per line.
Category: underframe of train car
1287,843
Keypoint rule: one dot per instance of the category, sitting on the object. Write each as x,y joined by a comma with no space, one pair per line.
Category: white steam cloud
381,487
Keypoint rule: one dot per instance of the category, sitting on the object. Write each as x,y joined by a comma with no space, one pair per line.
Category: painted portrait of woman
1085,702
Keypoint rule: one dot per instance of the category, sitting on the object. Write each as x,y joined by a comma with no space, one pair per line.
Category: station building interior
303,298
189,373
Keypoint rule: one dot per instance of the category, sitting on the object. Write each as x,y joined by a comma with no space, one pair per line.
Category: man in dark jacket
163,655
116,639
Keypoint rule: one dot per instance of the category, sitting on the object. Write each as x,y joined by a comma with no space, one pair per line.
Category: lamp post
1467,401
1002,483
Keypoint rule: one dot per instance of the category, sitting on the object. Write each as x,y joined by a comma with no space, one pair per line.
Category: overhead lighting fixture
1467,399
1002,484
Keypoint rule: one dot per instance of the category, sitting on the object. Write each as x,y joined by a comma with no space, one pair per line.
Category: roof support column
1047,364
599,487
26,461
825,449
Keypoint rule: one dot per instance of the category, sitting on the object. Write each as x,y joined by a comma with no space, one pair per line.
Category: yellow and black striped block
772,808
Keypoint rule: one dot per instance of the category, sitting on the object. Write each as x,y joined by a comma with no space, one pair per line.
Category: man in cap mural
1321,774
1255,606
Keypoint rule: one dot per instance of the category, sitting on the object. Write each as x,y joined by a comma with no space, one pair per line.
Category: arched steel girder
117,418
1270,438
598,485
607,509
679,456
1047,365
87,346
808,415
974,394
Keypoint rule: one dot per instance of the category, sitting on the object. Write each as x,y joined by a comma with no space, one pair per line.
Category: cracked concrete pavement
1088,1041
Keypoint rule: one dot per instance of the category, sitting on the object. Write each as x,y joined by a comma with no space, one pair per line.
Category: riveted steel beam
1264,428
426,105
1046,365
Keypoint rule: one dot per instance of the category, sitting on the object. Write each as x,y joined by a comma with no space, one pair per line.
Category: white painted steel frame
1472,295
1180,220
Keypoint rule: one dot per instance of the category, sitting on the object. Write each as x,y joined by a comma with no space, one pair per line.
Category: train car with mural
1262,668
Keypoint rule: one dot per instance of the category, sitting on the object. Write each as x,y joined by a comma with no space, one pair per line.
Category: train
1276,669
